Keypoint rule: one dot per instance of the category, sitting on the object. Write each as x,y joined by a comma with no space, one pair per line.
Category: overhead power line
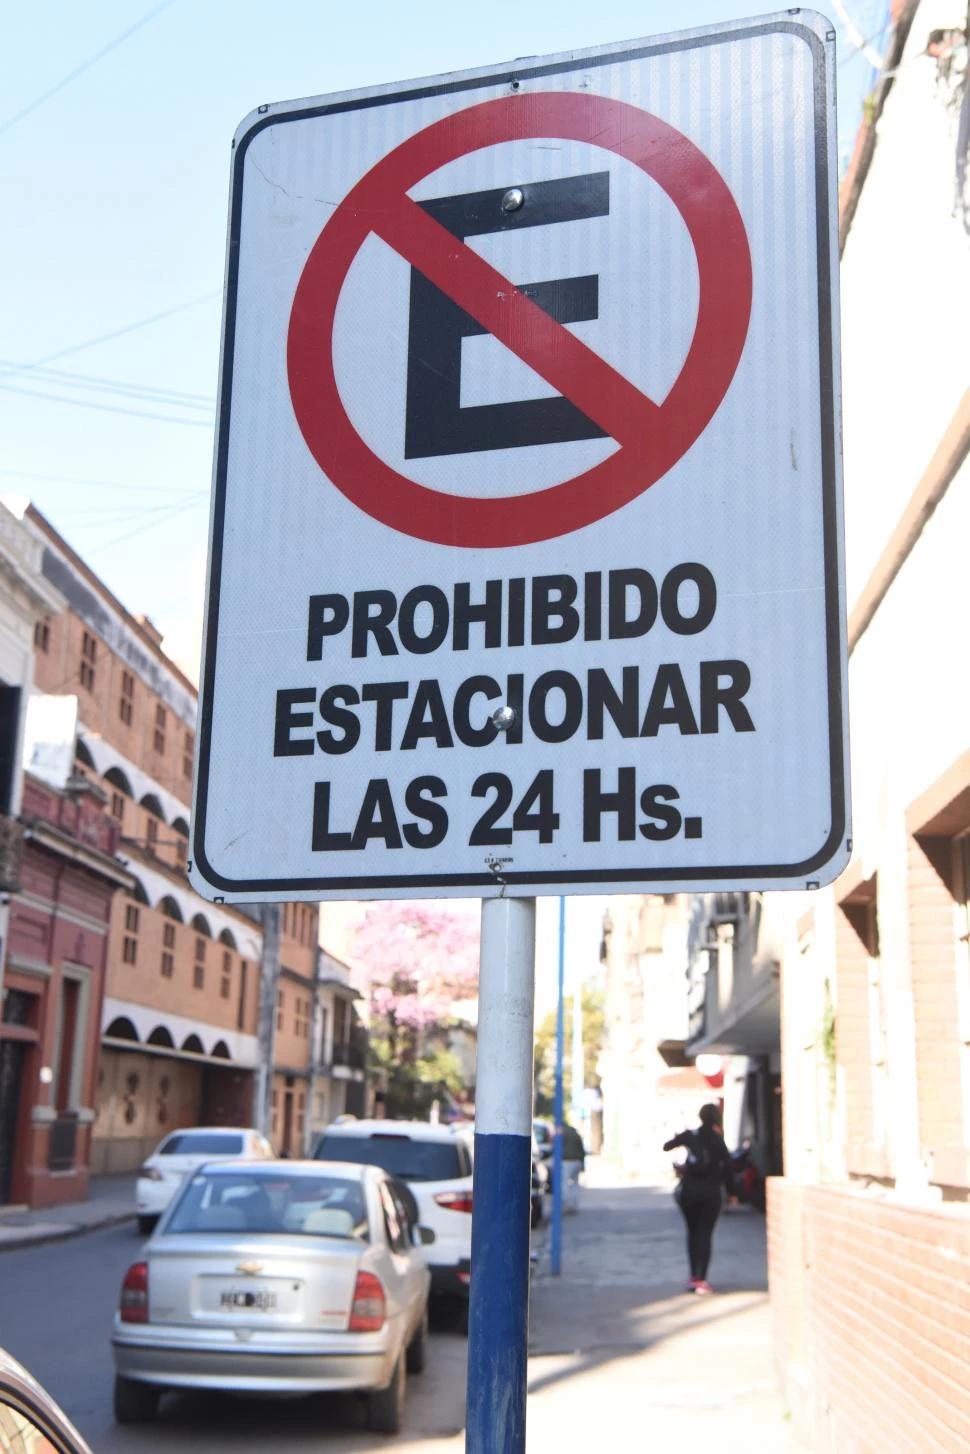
98,484
97,383
105,408
106,337
65,81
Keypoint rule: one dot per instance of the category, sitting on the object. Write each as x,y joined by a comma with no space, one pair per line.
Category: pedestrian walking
573,1164
704,1175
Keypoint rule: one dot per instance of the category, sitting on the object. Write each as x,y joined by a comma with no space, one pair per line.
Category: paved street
615,1342
56,1306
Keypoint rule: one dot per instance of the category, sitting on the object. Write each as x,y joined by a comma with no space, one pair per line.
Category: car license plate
247,1300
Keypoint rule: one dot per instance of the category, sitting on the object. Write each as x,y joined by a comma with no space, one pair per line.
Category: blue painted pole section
555,1231
498,1322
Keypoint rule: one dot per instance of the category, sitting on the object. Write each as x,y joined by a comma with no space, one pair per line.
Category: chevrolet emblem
250,1268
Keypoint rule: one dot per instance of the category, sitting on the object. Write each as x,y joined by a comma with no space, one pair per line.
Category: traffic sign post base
498,1317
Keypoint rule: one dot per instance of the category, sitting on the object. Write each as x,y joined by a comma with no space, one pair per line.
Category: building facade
870,1227
735,949
27,1010
54,991
179,1007
650,1087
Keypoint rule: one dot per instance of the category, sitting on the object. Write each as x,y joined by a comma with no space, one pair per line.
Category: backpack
698,1157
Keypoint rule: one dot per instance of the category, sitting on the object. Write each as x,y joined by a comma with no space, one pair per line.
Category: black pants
701,1207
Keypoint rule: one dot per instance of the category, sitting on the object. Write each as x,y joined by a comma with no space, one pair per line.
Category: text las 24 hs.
622,810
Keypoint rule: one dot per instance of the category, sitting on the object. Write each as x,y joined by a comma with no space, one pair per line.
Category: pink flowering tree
415,962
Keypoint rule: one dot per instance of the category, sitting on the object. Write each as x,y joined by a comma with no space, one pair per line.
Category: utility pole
316,1051
557,1156
269,975
577,1102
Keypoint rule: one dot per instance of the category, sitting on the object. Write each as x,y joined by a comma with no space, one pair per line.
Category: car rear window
312,1206
401,1156
202,1143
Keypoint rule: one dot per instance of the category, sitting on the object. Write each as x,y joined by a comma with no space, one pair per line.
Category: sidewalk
618,1345
112,1200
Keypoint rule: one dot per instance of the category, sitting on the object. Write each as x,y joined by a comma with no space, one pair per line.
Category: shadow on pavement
621,1293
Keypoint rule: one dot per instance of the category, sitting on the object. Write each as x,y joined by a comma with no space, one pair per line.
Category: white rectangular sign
526,546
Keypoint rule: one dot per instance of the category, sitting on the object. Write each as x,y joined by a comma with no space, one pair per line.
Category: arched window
161,1036
221,1049
117,779
193,1044
83,754
121,1028
173,915
202,933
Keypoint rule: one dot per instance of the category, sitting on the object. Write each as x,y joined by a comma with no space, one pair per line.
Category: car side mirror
29,1418
425,1236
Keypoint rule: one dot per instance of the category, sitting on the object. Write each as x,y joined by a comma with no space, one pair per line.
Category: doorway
12,1056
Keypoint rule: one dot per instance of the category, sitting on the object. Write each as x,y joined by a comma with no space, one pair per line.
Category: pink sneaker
700,1286
691,1285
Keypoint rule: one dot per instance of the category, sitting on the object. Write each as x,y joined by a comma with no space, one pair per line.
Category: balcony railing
346,1053
11,854
63,1142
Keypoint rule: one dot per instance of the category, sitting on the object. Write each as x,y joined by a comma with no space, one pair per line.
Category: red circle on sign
651,437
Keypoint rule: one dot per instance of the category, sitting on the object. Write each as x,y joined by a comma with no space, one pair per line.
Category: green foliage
827,1041
594,1021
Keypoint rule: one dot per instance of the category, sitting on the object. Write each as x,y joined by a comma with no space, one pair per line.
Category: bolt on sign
526,546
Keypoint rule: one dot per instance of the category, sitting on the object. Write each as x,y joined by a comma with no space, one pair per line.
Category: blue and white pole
555,1231
499,1312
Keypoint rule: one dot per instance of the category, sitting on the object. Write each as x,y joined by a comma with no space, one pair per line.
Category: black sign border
825,196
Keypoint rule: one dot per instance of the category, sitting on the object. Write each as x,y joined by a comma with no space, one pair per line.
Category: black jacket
708,1165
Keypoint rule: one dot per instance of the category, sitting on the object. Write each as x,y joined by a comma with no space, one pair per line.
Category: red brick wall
933,949
853,1042
871,1301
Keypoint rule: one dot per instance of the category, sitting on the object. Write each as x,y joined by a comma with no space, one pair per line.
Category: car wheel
417,1353
135,1403
385,1405
146,1226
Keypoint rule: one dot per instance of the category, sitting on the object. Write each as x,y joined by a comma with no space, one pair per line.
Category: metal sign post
526,563
498,1317
555,1231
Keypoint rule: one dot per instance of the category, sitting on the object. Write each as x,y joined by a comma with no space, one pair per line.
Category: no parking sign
526,537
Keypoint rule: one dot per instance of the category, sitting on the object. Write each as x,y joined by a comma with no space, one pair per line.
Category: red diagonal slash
652,437
558,356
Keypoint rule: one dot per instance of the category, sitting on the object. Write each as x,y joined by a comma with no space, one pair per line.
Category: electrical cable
97,484
153,392
115,333
84,66
105,408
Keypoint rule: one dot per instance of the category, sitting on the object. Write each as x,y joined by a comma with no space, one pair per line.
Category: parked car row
268,1276
272,1276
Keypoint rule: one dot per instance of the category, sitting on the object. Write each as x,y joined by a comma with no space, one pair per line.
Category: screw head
504,718
513,199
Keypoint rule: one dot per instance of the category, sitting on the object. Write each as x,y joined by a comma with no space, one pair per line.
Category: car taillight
133,1305
150,1173
368,1312
455,1201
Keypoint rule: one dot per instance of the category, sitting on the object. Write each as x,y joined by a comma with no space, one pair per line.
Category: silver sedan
277,1277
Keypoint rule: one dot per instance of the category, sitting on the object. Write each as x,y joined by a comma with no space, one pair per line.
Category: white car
160,1177
435,1162
282,1277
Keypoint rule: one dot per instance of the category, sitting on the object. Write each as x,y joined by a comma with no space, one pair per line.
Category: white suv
435,1163
160,1177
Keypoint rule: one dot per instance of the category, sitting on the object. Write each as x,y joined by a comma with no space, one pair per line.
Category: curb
69,1230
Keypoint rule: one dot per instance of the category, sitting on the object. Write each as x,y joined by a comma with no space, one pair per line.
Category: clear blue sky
115,189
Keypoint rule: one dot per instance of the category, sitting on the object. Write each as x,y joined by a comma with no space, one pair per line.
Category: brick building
180,1008
69,880
870,1227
